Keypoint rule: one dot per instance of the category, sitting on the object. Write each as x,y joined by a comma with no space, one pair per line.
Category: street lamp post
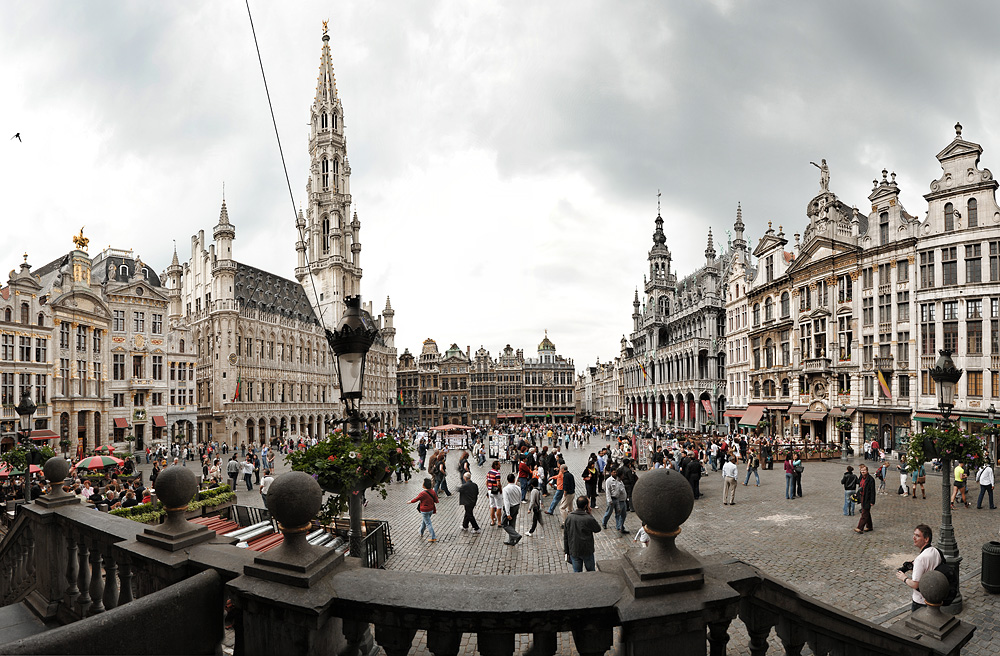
843,442
350,343
991,413
946,377
25,409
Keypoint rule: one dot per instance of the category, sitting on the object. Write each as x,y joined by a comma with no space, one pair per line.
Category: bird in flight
17,136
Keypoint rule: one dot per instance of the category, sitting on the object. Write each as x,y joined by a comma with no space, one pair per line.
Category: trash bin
990,577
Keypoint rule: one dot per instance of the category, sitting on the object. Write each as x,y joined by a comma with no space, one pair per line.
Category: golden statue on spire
324,26
81,241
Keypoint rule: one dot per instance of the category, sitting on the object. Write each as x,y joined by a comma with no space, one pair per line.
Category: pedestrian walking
959,485
985,479
569,494
789,477
511,506
426,501
248,473
590,478
493,492
578,536
468,494
753,463
904,483
917,477
797,469
729,475
534,506
233,470
265,485
866,492
850,482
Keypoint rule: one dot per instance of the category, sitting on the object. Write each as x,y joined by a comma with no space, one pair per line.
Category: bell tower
328,247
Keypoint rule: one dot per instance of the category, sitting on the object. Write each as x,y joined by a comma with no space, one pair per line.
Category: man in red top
524,474
493,489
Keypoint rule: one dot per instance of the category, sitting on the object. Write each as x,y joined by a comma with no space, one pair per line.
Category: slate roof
259,289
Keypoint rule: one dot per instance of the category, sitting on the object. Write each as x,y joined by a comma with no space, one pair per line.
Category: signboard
644,452
139,414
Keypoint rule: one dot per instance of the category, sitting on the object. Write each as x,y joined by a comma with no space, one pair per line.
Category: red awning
813,416
121,423
42,435
752,415
797,409
734,413
159,420
708,406
835,412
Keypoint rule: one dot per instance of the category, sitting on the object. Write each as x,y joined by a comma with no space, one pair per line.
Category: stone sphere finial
663,500
294,499
933,585
56,470
176,486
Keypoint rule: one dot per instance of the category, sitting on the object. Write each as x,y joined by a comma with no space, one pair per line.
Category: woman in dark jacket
590,476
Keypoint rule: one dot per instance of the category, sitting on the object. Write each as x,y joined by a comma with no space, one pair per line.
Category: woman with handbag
789,477
797,469
917,477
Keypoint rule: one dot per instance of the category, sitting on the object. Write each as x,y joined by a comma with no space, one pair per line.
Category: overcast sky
505,156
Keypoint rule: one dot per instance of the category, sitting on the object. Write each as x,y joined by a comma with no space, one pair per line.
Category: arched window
949,217
756,389
323,121
883,228
182,346
768,309
41,319
325,173
973,213
6,314
784,387
333,117
123,270
756,314
326,234
25,311
785,305
769,353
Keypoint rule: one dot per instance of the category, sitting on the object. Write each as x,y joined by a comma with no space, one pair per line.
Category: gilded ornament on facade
81,241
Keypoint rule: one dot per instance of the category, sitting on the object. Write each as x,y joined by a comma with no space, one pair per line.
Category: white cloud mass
505,155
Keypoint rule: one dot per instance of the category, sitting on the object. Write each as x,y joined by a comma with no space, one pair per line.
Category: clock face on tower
232,358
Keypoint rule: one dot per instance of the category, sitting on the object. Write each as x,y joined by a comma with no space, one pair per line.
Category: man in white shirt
729,475
265,485
511,505
928,558
985,478
247,469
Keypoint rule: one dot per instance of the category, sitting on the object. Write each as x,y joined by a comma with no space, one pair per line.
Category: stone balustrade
297,598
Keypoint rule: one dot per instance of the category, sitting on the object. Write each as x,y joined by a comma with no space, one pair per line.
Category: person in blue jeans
753,464
426,501
850,482
789,479
578,536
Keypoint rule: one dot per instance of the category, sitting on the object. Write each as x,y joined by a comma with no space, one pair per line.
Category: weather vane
324,26
657,201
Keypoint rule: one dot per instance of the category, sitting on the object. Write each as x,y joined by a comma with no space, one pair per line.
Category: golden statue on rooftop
81,241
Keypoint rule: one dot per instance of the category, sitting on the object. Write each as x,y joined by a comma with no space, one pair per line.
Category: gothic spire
710,249
739,242
326,82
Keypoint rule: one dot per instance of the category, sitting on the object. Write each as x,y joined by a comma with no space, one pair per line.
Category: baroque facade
741,274
598,391
483,389
674,369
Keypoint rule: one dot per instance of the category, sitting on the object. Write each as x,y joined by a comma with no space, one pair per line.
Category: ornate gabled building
597,392
741,274
510,385
483,389
408,389
958,286
454,377
430,386
675,372
830,323
549,382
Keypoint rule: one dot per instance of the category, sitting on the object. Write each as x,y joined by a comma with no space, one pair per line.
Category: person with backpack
927,559
850,482
753,463
866,497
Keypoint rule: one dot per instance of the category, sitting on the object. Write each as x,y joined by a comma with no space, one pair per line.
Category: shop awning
160,421
978,420
752,416
121,423
835,412
927,417
43,434
797,409
734,413
813,416
705,403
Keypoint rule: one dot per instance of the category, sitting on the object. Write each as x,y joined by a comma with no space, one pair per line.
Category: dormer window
972,213
123,270
769,268
949,217
883,228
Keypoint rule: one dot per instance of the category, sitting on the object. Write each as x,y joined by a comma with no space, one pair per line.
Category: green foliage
952,445
212,501
18,458
147,513
343,467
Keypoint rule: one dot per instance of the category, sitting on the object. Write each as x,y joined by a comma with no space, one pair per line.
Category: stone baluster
718,637
125,576
83,580
394,640
72,571
544,643
492,643
758,623
594,641
110,578
792,635
96,582
30,555
445,643
358,637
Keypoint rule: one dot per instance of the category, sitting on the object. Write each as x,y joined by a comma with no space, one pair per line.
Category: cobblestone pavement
806,542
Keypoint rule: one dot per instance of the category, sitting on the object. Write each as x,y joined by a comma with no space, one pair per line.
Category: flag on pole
644,375
884,386
236,397
400,397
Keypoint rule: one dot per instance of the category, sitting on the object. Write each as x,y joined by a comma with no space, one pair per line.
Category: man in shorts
959,485
493,493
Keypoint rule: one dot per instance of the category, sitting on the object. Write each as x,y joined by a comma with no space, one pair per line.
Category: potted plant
344,467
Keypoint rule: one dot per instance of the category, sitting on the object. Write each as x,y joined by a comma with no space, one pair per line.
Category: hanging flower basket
952,445
344,467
